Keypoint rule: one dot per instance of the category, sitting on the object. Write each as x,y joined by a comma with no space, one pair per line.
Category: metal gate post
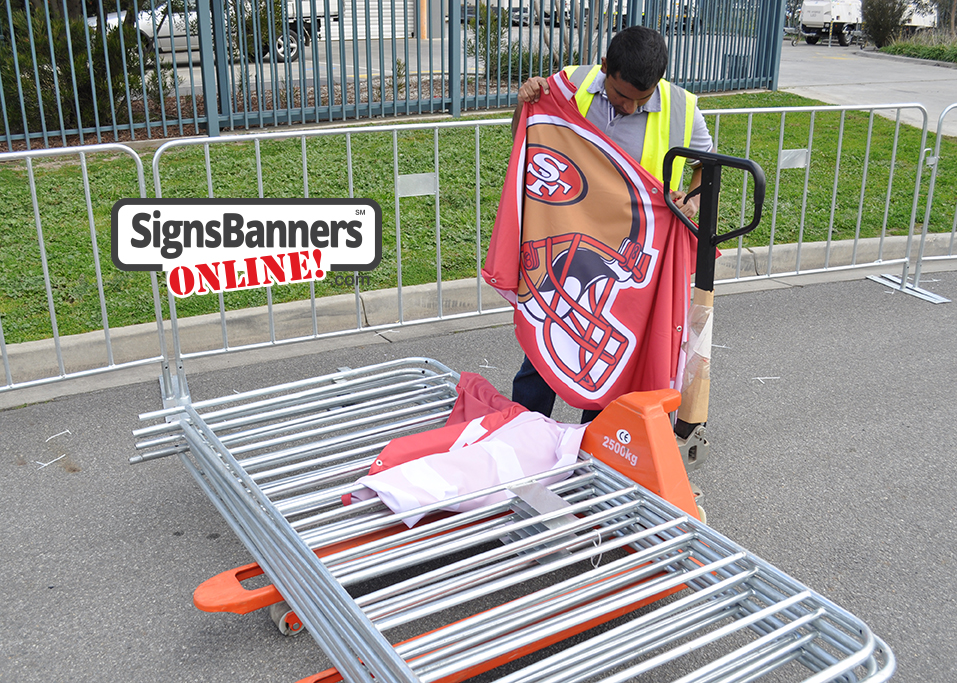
771,46
456,94
204,19
221,54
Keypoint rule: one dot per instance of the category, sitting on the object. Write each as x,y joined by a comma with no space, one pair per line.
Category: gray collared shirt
628,131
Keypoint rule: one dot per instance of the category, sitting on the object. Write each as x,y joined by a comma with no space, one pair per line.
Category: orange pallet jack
597,570
456,595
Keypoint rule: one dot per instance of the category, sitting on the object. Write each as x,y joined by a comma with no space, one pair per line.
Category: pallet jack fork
461,594
612,557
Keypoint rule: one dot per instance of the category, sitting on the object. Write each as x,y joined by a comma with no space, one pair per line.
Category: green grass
69,250
859,130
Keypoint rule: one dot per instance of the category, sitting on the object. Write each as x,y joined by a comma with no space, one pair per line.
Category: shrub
525,63
504,60
933,45
256,26
47,83
487,40
883,19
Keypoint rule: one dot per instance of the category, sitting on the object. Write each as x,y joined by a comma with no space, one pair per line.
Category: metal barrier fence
851,195
837,200
188,67
941,209
43,278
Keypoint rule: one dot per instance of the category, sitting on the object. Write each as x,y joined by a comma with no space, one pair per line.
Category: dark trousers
531,391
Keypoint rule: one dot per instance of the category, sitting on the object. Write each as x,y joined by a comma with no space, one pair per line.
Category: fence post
772,42
205,22
934,163
455,58
221,48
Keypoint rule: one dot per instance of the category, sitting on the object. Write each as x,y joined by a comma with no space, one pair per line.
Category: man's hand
689,207
531,91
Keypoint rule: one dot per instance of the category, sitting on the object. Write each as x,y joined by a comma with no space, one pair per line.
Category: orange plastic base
226,593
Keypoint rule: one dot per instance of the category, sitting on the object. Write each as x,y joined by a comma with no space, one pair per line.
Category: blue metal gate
138,69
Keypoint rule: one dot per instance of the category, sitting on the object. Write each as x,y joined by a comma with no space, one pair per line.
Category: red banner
595,264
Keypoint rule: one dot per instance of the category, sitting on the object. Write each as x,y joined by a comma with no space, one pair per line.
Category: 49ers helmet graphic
586,236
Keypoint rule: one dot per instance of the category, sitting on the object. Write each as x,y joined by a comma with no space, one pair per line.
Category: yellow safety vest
670,127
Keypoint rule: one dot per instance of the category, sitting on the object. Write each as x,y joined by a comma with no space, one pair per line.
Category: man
627,99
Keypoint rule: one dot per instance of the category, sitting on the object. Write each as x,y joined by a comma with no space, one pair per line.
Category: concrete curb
295,321
815,255
874,54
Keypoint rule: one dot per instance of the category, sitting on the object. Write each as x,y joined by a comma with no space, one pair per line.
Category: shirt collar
597,87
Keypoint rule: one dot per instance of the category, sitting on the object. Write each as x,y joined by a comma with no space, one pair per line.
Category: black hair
637,55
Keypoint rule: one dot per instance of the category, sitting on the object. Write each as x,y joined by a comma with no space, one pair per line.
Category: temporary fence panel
945,207
68,267
867,188
438,185
521,565
426,229
157,70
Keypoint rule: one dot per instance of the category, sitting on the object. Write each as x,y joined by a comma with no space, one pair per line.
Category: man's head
637,55
636,60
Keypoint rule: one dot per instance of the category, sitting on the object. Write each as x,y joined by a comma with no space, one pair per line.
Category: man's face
622,95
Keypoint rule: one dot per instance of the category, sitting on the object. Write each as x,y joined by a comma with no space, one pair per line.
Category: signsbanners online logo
221,245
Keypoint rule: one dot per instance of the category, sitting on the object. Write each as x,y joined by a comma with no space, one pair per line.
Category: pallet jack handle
710,187
706,230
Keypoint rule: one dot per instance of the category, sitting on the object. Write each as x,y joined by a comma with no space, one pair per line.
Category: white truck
823,18
826,18
916,21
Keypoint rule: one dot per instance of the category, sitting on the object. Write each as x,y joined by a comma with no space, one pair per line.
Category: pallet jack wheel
285,619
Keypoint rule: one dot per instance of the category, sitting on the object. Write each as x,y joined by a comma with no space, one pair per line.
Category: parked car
469,12
521,16
166,30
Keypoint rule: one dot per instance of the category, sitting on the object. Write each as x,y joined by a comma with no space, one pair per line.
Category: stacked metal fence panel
169,68
438,185
559,553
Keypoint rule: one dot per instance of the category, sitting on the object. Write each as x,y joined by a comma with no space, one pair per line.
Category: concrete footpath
832,423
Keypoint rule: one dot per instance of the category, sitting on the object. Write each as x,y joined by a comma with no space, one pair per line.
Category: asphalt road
832,425
851,76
